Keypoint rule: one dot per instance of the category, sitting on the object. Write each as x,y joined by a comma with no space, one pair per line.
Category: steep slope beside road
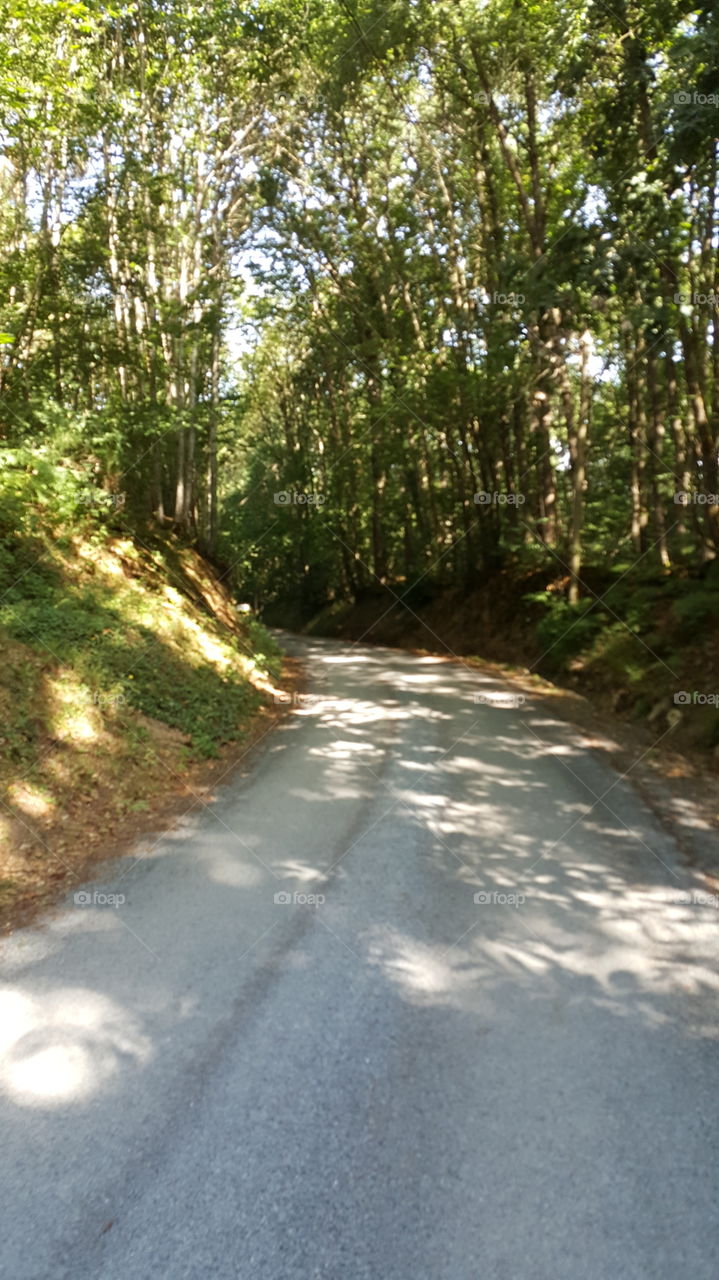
125,663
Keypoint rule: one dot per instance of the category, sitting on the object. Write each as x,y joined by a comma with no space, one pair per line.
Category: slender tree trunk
578,444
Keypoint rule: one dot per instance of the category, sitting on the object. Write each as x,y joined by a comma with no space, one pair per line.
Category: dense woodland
349,292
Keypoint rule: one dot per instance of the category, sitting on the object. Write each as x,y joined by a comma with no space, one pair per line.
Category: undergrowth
123,661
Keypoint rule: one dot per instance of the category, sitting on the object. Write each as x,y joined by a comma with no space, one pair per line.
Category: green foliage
565,630
111,634
698,607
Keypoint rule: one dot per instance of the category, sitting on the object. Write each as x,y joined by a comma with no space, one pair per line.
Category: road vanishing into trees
427,995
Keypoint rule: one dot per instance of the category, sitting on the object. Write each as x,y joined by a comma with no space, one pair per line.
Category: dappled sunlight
302,872
59,770
64,1046
422,767
185,631
619,946
415,967
345,660
34,800
342,748
685,813
72,715
344,786
29,947
348,711
560,749
234,872
425,799
213,650
411,681
105,558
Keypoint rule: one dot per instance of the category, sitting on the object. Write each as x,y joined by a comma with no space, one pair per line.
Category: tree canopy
354,293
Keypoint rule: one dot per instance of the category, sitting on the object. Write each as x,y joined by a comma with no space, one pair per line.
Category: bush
698,607
566,629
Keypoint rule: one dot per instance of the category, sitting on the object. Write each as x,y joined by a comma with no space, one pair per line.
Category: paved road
478,1043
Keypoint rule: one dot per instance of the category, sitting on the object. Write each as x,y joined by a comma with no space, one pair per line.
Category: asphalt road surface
428,995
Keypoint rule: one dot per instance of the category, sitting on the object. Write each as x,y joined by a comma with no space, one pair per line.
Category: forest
358,297
359,635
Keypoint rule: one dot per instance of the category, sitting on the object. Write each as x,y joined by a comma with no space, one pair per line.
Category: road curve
428,995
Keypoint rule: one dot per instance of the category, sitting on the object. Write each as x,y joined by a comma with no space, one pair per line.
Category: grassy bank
125,665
